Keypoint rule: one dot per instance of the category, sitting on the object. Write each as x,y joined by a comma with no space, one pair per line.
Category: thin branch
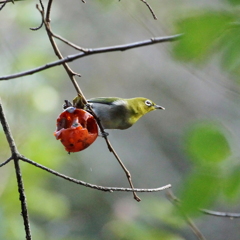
15,157
49,6
85,184
150,9
57,52
5,162
220,214
42,13
68,42
3,4
88,52
175,201
128,174
7,131
22,198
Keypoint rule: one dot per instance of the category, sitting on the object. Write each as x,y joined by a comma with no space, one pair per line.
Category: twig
128,174
42,12
191,224
88,52
85,184
67,42
150,8
15,157
7,161
3,4
220,214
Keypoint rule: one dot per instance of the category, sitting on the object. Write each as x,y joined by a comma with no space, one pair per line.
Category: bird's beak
159,107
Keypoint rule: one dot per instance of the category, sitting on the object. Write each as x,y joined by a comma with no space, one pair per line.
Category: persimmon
76,129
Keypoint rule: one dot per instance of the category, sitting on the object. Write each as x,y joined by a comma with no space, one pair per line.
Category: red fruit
76,128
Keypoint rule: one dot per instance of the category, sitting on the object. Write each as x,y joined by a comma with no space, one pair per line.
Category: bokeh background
193,144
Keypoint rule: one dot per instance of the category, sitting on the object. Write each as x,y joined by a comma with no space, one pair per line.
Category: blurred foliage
131,231
234,2
206,143
209,33
201,31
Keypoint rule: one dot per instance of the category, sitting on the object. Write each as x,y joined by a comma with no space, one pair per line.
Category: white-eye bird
120,113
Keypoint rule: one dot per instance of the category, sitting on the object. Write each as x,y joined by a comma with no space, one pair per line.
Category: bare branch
42,15
220,214
7,131
88,52
4,3
150,8
97,187
5,162
67,42
15,157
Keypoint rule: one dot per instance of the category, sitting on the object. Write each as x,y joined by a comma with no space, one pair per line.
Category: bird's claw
103,134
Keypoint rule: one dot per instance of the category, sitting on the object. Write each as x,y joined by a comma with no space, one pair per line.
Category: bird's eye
148,103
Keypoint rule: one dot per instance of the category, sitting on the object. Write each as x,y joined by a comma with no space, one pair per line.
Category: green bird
121,113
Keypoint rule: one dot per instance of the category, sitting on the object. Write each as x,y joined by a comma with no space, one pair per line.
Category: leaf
206,143
231,50
231,186
199,191
200,35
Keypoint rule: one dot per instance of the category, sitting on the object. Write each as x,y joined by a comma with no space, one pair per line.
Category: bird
121,113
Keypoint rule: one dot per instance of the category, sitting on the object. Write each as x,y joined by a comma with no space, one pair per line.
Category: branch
220,214
88,52
15,157
85,184
150,9
7,161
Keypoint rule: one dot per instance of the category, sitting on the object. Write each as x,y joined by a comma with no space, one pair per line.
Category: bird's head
144,105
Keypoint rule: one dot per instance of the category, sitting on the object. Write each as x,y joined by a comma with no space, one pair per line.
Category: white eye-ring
148,103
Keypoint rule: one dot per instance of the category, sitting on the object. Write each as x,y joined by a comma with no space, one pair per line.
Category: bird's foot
103,134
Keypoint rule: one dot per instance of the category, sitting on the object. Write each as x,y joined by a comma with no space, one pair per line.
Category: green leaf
200,34
231,50
206,143
231,186
199,191
233,2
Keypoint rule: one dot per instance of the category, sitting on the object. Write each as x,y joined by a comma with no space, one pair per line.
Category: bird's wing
103,100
